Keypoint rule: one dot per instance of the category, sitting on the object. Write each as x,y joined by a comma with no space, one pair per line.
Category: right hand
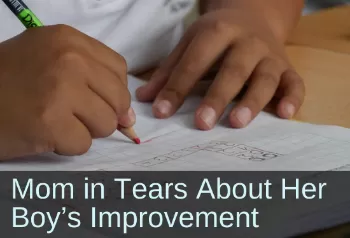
59,89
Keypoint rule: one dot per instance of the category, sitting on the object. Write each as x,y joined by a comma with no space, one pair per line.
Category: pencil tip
137,141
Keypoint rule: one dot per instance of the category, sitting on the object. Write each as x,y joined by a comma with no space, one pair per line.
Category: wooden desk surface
329,29
327,78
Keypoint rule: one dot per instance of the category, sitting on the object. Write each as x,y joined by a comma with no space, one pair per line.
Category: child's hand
248,53
59,89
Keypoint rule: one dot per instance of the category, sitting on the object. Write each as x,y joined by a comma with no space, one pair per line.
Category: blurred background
315,5
310,7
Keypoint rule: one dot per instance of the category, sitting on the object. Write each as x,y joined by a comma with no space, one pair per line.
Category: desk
329,29
327,79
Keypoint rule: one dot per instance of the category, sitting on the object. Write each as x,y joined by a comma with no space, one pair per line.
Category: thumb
128,119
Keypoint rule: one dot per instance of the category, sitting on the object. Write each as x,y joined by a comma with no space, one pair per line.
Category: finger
127,120
109,58
95,114
263,85
293,90
193,65
110,88
149,91
91,47
71,137
234,72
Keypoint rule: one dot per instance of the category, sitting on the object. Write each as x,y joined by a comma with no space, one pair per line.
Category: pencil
30,20
23,13
130,133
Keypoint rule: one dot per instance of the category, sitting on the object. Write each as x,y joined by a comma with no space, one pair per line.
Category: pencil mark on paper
240,151
226,148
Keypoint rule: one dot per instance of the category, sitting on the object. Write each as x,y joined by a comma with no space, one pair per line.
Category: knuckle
254,40
237,71
160,74
61,34
57,89
278,62
70,57
221,27
268,78
62,30
190,68
257,44
254,102
220,99
175,93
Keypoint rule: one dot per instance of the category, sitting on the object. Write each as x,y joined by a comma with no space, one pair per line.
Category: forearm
281,15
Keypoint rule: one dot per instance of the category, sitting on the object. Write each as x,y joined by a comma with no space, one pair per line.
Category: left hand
248,53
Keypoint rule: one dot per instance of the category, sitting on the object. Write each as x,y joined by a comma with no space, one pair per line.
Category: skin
65,89
245,38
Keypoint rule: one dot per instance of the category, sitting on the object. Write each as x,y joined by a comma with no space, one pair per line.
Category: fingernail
208,115
290,110
244,116
131,114
163,107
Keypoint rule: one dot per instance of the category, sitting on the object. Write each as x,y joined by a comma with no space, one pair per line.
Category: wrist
279,16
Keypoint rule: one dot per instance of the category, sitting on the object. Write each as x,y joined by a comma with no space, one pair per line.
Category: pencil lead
137,141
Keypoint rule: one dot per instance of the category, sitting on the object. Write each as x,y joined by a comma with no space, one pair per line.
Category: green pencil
23,13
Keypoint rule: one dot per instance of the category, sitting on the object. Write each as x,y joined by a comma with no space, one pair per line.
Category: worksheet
269,143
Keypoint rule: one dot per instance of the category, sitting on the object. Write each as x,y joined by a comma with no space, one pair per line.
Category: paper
268,143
